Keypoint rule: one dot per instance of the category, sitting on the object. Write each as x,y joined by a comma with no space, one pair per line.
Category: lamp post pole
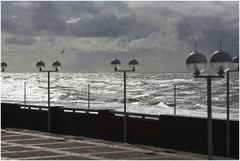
209,111
227,123
196,62
56,65
49,104
235,62
125,105
133,63
124,102
228,115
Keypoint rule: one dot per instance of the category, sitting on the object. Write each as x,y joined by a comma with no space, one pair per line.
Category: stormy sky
160,35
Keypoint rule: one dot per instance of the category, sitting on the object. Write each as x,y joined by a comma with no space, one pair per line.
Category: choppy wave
150,93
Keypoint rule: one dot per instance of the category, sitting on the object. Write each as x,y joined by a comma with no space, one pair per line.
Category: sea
149,93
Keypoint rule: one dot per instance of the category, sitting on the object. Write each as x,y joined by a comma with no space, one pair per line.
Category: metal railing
135,115
89,111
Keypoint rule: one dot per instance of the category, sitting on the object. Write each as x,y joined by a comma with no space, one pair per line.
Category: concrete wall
176,132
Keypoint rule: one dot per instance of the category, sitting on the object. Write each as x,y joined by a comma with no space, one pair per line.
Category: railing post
174,99
25,100
103,115
53,113
88,96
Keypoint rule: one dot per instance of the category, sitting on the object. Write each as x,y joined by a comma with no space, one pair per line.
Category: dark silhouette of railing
176,132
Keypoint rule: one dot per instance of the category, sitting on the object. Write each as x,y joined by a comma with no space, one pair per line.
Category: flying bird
62,52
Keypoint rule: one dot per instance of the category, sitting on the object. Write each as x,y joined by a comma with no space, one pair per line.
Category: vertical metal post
209,111
88,96
125,116
49,125
227,123
174,99
25,93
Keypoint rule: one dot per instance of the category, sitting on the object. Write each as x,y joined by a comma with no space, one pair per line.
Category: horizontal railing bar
79,109
135,114
38,106
93,111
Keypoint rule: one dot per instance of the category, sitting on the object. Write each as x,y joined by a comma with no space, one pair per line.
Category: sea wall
176,132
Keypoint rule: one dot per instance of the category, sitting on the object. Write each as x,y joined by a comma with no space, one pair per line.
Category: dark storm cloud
160,34
208,31
110,26
86,7
46,19
18,40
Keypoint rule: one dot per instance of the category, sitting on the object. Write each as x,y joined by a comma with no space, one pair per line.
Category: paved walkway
21,144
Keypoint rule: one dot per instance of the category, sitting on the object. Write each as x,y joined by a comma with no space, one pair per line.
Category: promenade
19,144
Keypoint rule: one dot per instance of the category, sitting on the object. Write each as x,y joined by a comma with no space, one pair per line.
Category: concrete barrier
176,132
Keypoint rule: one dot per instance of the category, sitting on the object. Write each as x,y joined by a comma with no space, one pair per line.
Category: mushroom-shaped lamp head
56,65
115,64
133,64
40,65
221,61
236,63
196,63
3,66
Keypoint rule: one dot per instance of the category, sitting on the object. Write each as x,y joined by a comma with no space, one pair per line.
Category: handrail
132,114
79,109
40,107
92,111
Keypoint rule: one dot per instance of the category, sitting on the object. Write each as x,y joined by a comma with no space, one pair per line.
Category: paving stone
15,148
7,134
123,155
18,137
105,149
28,154
63,158
3,145
36,141
79,150
65,145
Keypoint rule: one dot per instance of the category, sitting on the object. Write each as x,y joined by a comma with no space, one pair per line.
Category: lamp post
196,63
133,63
3,66
235,62
56,65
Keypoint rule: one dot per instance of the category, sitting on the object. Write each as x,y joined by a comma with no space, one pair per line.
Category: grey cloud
110,25
45,19
159,34
17,40
208,31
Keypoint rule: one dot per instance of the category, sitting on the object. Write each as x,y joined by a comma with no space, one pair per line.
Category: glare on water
146,92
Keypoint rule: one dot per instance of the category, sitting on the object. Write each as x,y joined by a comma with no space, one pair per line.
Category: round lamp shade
196,62
40,65
3,66
56,65
115,63
221,61
133,64
236,63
